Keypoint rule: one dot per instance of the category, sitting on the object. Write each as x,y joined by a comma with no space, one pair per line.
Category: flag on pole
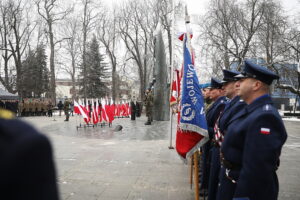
83,108
94,112
192,127
82,112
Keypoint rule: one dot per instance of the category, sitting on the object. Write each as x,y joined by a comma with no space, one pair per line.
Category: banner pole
191,172
196,170
172,71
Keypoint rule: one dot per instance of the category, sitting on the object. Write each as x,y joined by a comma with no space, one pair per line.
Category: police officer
253,142
233,104
149,105
212,113
27,169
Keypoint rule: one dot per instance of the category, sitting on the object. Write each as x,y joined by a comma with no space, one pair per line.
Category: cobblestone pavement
135,163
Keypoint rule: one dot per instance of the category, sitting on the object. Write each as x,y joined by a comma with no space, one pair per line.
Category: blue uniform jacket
231,108
213,113
27,168
253,141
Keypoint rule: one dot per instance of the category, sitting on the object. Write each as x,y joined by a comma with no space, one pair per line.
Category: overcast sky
199,6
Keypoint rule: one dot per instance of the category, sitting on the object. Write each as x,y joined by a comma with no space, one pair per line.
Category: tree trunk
52,65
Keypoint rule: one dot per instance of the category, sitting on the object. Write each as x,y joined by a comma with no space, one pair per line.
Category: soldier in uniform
149,105
21,108
205,88
253,142
49,108
67,109
27,168
39,107
26,107
212,113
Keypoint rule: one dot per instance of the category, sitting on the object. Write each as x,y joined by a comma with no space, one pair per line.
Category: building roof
4,95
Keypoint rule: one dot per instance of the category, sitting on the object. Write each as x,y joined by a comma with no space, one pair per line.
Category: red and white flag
82,112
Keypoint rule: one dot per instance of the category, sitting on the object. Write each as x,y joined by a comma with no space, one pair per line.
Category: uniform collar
262,100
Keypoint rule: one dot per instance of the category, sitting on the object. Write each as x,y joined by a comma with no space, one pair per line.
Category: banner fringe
197,146
194,128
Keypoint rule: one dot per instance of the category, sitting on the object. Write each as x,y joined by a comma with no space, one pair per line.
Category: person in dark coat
27,168
138,109
60,107
252,145
212,114
133,110
232,105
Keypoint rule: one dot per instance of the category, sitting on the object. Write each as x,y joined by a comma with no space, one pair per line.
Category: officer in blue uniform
252,145
27,169
232,105
212,113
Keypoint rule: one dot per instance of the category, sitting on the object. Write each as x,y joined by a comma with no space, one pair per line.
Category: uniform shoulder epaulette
267,107
6,114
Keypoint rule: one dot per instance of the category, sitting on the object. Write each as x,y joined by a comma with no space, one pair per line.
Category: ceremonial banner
192,127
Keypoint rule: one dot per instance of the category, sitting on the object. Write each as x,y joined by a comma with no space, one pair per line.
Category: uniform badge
265,131
267,107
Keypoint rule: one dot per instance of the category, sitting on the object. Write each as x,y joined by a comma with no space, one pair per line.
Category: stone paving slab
135,163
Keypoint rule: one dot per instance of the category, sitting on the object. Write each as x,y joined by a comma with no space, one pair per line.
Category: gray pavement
135,163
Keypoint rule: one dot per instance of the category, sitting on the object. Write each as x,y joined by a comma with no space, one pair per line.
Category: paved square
135,163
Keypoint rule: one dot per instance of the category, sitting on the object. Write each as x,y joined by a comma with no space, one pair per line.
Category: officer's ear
257,85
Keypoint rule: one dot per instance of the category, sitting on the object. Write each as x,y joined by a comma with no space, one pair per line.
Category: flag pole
172,71
194,157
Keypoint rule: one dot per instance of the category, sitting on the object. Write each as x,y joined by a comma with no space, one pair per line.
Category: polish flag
82,112
94,113
103,112
76,108
265,131
82,107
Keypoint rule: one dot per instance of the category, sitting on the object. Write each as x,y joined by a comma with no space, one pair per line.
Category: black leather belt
229,165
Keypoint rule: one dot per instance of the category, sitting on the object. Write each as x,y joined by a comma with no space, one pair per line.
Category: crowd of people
246,137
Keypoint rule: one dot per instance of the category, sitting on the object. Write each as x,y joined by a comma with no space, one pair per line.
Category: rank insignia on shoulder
265,131
267,107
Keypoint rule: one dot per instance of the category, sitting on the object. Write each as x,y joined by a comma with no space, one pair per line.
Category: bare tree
6,52
50,11
15,31
88,23
107,34
21,30
230,27
73,50
136,29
